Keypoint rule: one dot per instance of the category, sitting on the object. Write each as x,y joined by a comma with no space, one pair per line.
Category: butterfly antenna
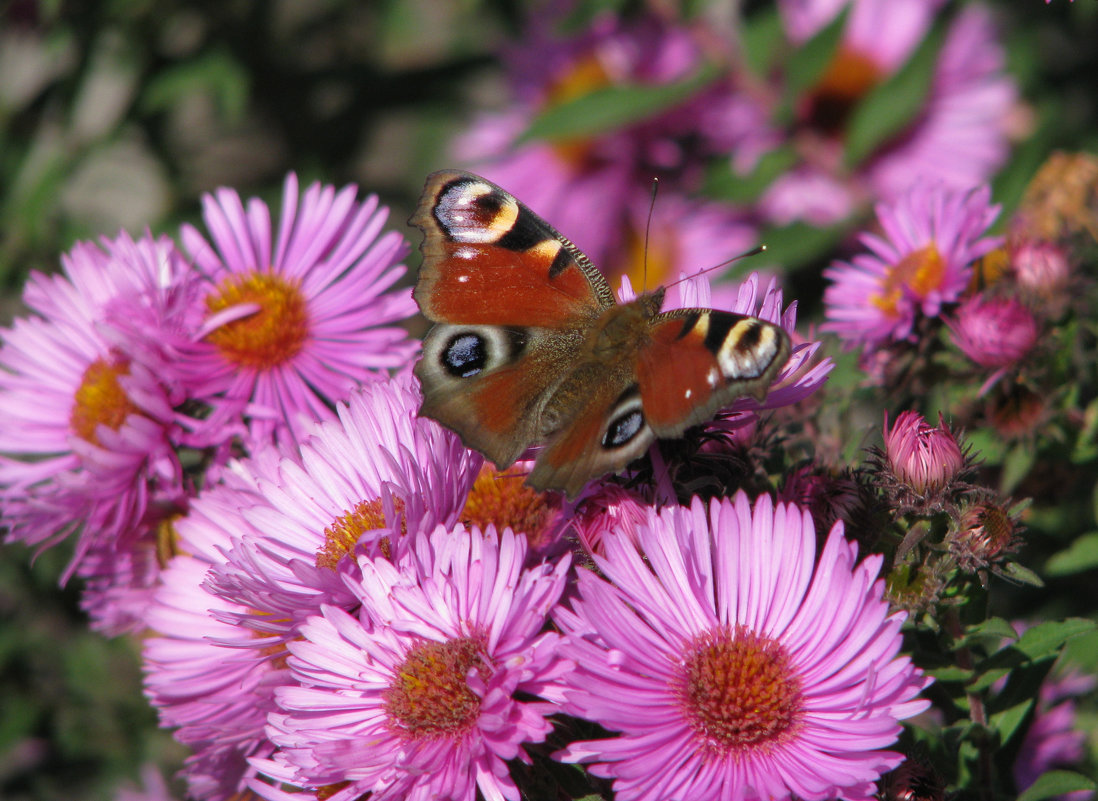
746,254
648,227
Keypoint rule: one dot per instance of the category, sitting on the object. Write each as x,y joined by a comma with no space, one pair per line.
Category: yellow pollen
503,500
100,400
988,270
584,77
273,334
429,696
167,540
343,534
739,691
920,272
848,79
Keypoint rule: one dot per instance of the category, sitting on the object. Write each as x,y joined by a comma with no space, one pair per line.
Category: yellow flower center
503,500
920,271
100,400
273,334
585,76
429,695
739,691
343,534
656,269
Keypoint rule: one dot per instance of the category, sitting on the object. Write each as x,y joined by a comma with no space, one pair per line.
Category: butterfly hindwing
491,384
698,360
489,260
603,429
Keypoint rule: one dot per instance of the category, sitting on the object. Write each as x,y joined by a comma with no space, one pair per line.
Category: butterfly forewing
488,259
699,360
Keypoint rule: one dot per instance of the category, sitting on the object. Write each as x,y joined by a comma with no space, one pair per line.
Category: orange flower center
345,531
848,79
429,695
503,500
585,76
274,333
655,270
100,400
919,272
739,691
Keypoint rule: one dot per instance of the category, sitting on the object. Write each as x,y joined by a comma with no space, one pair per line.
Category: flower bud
923,458
993,332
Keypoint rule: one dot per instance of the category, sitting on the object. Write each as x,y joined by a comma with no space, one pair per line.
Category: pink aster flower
361,480
414,696
214,693
266,549
931,237
923,458
88,430
959,136
731,664
292,322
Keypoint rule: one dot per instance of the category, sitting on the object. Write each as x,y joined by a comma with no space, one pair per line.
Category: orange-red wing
487,259
699,360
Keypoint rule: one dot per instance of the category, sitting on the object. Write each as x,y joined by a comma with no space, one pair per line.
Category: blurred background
120,114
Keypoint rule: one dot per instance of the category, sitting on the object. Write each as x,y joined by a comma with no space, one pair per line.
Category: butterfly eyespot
623,428
465,355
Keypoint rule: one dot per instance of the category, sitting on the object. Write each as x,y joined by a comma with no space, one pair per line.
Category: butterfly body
530,346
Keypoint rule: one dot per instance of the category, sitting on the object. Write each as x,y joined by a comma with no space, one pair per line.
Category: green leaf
891,105
992,627
807,64
1045,639
722,182
1056,783
216,72
1022,574
763,41
580,18
950,674
1009,720
1081,555
611,107
987,679
796,245
1019,461
987,445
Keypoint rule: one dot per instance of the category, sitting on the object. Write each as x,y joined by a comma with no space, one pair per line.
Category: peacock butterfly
530,346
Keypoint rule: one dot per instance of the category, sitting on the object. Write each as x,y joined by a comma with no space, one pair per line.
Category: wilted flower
987,532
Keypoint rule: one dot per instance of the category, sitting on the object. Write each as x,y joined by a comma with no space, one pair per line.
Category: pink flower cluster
336,596
746,118
141,369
